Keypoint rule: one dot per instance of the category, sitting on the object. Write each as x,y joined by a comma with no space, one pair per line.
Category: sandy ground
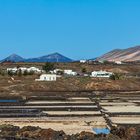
117,104
68,125
125,109
72,112
73,124
71,128
125,120
50,107
79,99
57,102
136,101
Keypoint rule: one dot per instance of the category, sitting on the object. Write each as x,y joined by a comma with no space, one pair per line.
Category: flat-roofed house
47,77
34,69
57,71
23,69
103,74
118,62
70,72
13,70
83,61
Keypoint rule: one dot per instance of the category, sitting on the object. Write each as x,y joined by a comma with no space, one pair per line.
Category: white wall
47,77
104,74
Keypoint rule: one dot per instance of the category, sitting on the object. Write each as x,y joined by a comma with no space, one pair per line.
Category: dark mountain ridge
54,57
13,58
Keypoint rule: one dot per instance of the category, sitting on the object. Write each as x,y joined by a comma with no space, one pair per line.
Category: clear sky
76,28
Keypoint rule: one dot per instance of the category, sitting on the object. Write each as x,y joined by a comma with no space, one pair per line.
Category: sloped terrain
130,54
13,58
55,57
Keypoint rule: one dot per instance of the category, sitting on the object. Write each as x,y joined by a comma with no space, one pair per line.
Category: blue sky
76,28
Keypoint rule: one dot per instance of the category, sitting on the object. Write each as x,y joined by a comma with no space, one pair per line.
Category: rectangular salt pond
101,130
8,101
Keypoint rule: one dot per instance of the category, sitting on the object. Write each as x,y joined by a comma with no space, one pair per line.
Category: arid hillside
130,54
28,85
23,85
75,66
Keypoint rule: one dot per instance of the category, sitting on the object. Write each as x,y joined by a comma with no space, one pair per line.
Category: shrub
115,76
10,73
48,66
84,70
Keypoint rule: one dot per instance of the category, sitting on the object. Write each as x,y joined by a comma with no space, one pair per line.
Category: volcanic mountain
129,54
55,57
13,58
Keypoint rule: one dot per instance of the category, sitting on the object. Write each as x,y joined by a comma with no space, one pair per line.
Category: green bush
116,76
48,67
10,73
84,70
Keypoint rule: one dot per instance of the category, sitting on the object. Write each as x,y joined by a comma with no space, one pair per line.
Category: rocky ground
9,132
25,85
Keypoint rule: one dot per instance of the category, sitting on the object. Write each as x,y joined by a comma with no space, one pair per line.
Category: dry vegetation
129,68
26,84
9,132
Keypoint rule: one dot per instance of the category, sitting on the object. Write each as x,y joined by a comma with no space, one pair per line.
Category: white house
83,61
47,77
67,72
103,74
23,69
57,70
13,70
34,69
70,72
74,73
118,62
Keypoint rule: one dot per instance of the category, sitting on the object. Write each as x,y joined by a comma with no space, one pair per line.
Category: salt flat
125,120
56,102
70,125
64,106
122,109
117,104
72,112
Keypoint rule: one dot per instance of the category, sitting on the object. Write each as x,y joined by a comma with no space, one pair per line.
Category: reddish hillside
130,54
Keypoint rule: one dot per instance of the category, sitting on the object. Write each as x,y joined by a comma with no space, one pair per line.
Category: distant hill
55,57
13,58
92,59
130,54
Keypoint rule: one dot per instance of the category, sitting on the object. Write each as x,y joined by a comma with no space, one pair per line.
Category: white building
57,70
70,72
118,62
101,61
13,70
34,69
103,74
67,72
83,61
47,77
23,69
74,73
